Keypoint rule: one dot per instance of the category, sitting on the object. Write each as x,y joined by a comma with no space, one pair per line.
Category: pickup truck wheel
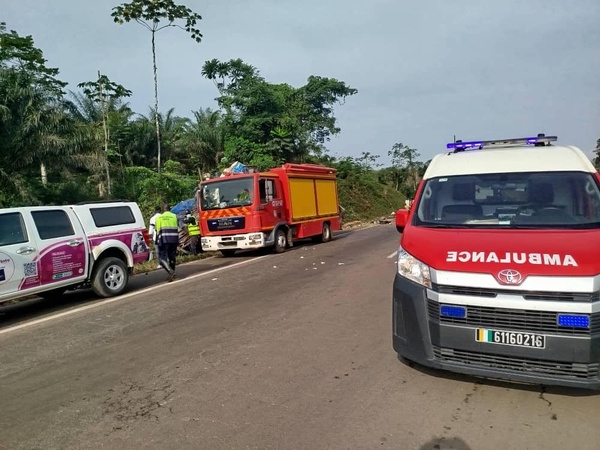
228,253
280,241
110,277
326,233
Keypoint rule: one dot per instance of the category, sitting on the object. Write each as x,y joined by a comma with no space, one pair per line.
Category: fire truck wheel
326,233
280,241
227,253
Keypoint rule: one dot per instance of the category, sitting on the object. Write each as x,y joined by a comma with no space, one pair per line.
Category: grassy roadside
149,266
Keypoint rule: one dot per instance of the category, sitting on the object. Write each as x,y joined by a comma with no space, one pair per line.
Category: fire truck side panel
327,195
303,201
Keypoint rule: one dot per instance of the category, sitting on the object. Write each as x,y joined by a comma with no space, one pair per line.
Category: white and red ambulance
499,264
45,250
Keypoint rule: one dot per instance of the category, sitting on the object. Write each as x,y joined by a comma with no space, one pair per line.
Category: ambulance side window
267,190
52,224
12,229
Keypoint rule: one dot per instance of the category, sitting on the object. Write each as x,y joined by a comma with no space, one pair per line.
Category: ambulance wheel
110,277
228,253
280,241
326,233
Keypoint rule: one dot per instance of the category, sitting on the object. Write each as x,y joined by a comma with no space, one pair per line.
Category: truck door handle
25,250
75,242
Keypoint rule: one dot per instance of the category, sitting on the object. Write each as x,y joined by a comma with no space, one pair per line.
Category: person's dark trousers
172,255
164,259
194,244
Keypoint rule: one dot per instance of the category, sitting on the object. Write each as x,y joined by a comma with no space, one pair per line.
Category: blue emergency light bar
540,140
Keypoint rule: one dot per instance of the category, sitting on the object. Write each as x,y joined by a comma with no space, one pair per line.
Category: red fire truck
268,209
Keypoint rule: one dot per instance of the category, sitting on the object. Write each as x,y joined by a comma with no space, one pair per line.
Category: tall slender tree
103,92
156,15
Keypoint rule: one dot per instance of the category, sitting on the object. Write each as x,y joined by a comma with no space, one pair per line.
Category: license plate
513,338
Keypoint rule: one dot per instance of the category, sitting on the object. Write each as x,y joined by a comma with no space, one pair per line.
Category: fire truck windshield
227,193
511,200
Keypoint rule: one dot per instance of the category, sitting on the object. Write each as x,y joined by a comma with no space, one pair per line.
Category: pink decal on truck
133,240
62,264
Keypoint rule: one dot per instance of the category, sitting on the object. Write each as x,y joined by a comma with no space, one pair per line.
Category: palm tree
204,140
35,131
94,158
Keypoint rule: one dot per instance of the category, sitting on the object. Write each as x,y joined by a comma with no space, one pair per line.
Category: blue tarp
180,207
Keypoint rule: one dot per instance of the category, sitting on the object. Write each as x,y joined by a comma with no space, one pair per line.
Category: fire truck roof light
539,140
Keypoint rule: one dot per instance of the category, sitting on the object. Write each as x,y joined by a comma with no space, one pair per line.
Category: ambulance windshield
228,193
513,200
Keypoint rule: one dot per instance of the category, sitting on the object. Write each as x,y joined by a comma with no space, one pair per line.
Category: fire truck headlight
413,269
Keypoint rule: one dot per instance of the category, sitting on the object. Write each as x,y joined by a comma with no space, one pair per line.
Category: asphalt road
288,351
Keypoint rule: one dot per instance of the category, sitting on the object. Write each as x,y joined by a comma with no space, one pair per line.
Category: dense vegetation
60,146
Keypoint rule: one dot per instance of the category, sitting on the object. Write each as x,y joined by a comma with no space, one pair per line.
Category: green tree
288,123
406,166
367,161
34,129
156,15
20,53
204,141
103,92
597,153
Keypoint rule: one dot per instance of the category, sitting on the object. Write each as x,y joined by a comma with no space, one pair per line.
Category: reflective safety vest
167,229
193,229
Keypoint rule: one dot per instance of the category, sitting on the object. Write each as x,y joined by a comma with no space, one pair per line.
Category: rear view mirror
401,219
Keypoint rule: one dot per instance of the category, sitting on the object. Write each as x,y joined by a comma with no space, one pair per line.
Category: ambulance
498,271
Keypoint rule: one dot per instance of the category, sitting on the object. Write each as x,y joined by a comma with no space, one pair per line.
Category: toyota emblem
509,276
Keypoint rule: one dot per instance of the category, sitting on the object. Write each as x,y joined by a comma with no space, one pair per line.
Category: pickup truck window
12,229
114,215
52,224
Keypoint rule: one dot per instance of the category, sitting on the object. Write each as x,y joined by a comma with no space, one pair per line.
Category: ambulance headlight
413,269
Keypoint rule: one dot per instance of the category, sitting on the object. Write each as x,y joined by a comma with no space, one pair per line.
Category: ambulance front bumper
423,335
233,242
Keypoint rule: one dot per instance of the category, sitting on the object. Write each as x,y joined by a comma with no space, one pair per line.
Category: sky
425,71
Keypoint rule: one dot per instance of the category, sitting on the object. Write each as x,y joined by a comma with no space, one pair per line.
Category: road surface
288,351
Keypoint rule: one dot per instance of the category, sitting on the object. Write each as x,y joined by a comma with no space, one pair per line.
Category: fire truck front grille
517,364
513,319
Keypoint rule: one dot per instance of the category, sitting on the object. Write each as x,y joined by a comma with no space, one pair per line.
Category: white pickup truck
45,250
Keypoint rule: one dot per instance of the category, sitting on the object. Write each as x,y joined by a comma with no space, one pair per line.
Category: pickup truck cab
45,250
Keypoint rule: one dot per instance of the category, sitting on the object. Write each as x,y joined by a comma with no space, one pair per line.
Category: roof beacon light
540,140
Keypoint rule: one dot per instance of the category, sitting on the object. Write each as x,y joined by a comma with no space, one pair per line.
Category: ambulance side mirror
401,219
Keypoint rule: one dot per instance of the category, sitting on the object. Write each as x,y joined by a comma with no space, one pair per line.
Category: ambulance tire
110,277
326,233
228,253
280,241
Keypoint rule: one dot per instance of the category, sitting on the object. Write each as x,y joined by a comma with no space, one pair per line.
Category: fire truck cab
498,266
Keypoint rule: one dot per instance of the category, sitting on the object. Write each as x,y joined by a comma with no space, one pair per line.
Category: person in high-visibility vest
193,231
167,237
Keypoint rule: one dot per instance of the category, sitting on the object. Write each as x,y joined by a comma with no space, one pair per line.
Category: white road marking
391,255
130,295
